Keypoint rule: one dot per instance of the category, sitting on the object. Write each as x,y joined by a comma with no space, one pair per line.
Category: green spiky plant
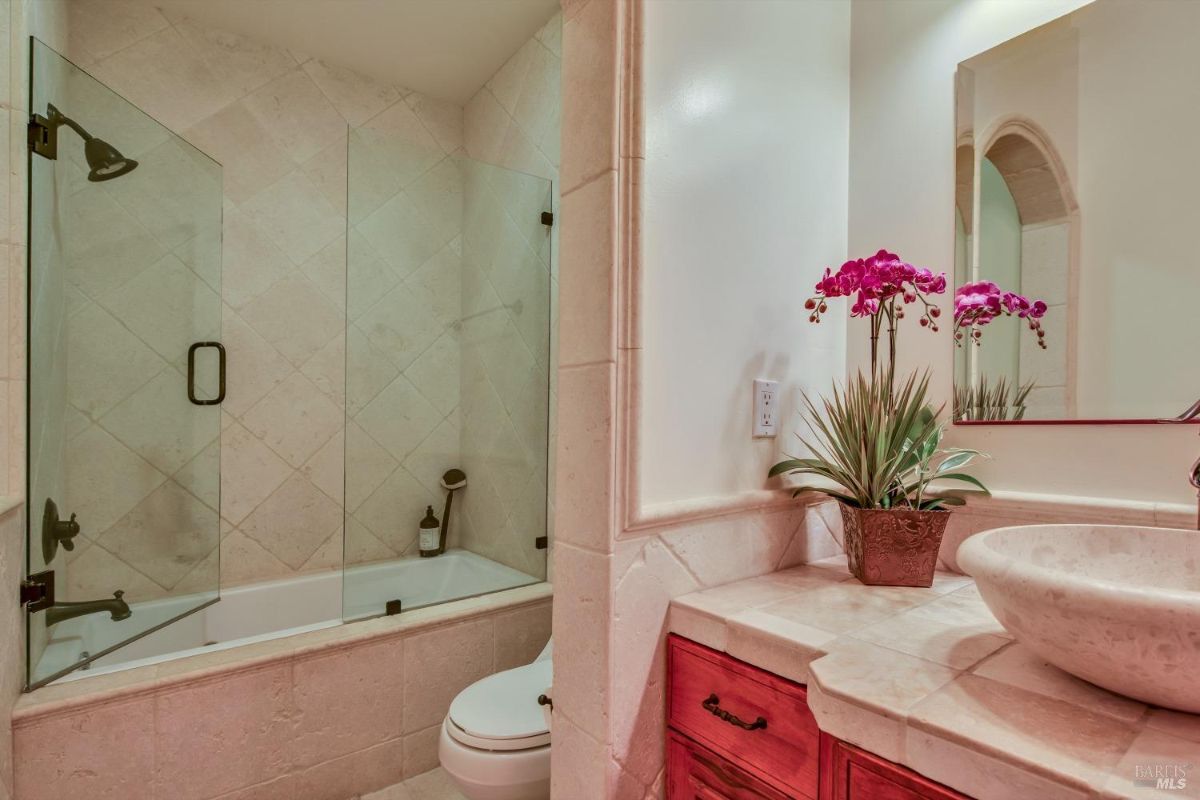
882,446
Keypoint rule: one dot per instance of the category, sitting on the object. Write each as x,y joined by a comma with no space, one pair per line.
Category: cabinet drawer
859,775
694,773
747,716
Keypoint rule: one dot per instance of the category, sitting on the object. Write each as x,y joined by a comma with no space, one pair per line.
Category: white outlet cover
766,408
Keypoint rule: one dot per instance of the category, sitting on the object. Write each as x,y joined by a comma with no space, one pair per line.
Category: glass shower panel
447,364
125,371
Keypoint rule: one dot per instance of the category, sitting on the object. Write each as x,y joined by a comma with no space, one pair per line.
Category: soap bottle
429,535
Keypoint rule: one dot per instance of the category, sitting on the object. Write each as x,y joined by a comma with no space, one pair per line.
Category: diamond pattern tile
250,472
168,307
160,424
294,317
173,193
253,366
368,370
107,245
107,362
367,466
294,521
399,418
403,234
165,536
438,453
393,512
105,480
294,419
437,372
400,325
295,214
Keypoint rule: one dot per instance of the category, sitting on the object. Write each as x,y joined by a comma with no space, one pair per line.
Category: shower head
454,479
105,162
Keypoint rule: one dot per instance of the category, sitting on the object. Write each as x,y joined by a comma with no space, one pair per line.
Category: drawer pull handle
711,705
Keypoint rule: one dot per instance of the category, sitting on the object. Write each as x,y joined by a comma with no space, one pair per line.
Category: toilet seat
501,712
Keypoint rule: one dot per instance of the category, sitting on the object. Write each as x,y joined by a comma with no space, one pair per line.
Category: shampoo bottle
429,535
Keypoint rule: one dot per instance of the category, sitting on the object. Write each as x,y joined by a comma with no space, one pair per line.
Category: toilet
495,740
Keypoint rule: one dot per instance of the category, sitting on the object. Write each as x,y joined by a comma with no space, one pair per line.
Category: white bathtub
271,609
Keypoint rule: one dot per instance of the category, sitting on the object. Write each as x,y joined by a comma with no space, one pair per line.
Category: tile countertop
929,679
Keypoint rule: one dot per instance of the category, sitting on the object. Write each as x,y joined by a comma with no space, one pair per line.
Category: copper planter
892,547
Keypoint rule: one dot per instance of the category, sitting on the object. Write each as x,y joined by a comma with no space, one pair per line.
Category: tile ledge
62,698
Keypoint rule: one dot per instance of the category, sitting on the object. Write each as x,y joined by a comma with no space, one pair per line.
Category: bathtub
271,609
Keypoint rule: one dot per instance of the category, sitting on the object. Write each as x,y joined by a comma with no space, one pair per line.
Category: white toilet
495,740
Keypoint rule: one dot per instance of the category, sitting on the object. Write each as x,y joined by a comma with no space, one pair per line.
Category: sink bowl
1117,606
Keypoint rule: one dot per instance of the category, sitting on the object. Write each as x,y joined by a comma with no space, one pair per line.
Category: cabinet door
855,774
695,773
757,720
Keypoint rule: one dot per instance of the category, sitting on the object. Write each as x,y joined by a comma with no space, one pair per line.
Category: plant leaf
965,478
785,466
957,459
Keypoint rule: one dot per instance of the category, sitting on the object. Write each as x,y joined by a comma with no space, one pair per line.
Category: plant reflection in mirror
987,401
977,304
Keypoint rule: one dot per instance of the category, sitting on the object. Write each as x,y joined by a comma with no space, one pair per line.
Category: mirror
1075,212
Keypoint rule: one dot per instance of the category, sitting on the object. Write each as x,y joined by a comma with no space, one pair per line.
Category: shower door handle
191,374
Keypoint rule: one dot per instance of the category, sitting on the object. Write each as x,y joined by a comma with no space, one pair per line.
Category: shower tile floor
432,785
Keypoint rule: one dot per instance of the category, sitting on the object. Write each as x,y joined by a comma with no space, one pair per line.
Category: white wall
747,111
902,137
1139,108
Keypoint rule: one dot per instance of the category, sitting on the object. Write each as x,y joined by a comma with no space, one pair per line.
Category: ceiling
444,48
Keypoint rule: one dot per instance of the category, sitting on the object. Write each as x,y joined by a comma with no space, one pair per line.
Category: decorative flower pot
892,547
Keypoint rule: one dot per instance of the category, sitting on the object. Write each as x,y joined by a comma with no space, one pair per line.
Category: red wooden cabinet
751,718
740,733
854,774
697,773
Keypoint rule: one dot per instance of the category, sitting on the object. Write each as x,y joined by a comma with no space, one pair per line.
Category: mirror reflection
1074,208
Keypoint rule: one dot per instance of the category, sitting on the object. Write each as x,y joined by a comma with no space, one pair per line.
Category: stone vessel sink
1118,606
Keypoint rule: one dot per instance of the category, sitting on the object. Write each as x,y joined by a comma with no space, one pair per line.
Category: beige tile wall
513,121
277,122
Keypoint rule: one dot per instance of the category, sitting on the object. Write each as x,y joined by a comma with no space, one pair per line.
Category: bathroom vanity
806,684
771,747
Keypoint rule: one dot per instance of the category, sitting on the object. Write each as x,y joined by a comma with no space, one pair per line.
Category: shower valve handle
66,533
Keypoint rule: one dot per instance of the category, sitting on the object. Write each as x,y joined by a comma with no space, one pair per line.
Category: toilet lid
501,711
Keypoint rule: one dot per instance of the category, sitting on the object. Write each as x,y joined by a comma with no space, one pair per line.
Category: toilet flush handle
546,700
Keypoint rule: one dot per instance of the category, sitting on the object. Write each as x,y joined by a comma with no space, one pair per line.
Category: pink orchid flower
874,283
977,304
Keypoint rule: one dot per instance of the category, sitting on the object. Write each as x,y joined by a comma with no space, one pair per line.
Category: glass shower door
125,373
448,287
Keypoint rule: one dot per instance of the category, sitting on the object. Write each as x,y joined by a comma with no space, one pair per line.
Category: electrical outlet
766,408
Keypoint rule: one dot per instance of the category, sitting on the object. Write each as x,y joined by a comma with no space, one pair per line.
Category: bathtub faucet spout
116,606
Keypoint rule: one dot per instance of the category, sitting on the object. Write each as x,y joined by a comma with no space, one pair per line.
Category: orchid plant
977,304
880,444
